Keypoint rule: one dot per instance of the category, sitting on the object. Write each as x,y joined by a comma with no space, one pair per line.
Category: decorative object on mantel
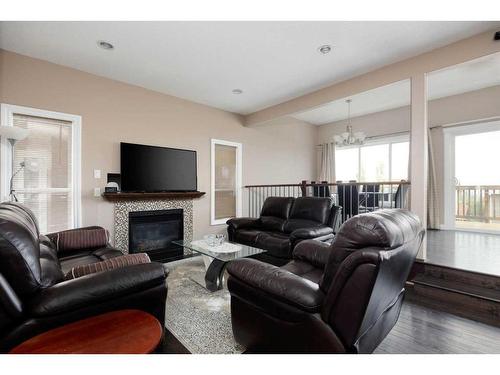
349,137
13,134
111,187
123,196
114,182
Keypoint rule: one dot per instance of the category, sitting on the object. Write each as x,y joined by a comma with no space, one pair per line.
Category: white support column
419,152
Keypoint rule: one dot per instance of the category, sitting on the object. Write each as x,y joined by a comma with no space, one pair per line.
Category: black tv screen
152,168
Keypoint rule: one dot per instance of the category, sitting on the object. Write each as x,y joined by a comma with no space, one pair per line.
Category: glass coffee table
217,257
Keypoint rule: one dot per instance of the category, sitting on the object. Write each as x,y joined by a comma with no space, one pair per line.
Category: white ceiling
204,61
458,79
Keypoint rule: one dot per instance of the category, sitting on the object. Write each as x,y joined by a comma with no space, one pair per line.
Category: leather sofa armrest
280,284
96,288
313,252
243,222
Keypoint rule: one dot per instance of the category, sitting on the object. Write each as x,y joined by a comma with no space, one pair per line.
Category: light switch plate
97,192
97,173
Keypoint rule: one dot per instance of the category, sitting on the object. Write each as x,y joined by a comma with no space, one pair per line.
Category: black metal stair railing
353,197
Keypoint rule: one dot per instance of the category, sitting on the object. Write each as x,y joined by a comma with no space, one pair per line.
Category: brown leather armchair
34,297
338,298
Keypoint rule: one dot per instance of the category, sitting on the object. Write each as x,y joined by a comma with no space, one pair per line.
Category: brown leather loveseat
34,297
283,223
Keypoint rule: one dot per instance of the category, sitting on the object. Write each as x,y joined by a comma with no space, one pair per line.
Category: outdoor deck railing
477,203
353,197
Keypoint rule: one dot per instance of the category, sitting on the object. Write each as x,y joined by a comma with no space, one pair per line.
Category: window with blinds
43,162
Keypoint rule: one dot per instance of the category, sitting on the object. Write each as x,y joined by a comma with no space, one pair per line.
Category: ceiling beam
459,52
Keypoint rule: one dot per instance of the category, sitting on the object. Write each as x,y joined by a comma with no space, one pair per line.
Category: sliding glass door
472,177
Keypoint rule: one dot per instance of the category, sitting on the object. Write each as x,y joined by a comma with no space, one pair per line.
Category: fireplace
152,232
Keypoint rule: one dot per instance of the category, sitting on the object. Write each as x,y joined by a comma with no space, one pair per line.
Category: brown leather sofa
338,298
283,223
81,255
34,296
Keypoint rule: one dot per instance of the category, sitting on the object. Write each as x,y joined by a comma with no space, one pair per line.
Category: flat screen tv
154,169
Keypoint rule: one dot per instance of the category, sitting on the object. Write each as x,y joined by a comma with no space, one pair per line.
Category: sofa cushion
276,243
277,206
246,236
275,211
106,265
80,239
83,257
107,253
294,224
272,223
68,263
312,208
305,270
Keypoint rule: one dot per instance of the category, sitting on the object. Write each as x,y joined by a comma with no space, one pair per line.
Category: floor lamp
13,134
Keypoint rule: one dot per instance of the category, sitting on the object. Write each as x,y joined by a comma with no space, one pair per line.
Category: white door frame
7,112
239,166
449,165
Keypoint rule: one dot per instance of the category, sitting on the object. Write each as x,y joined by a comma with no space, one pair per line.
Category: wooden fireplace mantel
120,197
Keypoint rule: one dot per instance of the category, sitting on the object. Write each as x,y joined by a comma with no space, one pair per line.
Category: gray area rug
199,319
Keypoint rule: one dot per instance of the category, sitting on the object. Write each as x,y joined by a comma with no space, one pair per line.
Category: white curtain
327,162
433,219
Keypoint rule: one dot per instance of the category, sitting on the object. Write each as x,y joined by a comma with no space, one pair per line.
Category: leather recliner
34,296
338,298
283,223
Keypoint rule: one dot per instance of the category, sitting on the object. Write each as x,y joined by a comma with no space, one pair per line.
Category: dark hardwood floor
420,330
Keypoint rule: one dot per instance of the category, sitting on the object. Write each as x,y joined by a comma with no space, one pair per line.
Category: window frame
7,112
239,204
450,132
379,140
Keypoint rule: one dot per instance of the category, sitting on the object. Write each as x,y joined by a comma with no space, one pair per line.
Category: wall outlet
97,173
97,192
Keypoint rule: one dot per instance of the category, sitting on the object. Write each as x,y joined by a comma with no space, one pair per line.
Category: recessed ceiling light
237,91
324,49
105,45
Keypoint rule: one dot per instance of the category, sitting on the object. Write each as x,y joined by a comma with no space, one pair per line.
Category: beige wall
112,112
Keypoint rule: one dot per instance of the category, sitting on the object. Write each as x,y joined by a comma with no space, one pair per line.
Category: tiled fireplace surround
122,209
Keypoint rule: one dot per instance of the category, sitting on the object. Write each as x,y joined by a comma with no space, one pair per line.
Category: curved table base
214,277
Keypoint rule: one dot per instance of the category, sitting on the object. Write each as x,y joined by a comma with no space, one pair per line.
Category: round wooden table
117,332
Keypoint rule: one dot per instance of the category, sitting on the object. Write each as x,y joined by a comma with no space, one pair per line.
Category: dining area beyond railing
353,197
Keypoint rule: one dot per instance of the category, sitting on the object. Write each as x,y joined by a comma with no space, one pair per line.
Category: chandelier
349,137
